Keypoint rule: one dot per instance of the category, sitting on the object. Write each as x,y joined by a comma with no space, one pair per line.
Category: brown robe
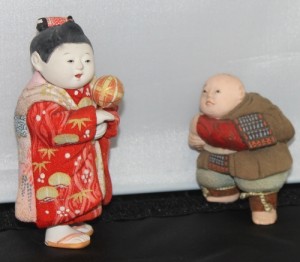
258,163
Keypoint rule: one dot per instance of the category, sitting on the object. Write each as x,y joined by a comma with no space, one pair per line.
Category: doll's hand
100,130
103,116
194,139
196,142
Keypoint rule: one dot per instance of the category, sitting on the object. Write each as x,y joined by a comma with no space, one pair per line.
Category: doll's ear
36,61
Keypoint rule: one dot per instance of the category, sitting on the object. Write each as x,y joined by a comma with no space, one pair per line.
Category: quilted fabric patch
21,126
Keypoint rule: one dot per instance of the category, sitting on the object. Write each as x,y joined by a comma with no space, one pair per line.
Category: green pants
214,180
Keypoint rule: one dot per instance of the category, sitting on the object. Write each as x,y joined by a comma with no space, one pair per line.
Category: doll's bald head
221,94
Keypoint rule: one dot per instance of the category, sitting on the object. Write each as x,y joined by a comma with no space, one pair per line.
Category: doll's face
220,95
70,66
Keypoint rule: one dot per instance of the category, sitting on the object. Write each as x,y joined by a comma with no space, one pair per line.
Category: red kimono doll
63,138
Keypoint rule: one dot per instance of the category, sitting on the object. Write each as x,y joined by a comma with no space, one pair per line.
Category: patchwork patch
21,126
255,131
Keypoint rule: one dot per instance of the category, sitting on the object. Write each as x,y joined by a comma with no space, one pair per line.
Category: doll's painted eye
204,91
218,91
88,61
70,61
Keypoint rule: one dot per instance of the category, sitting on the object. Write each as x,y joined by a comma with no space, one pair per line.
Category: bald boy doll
242,138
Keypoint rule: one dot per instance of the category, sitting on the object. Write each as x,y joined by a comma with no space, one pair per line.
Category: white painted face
70,65
220,95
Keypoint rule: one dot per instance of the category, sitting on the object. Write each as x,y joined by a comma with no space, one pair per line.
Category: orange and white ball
107,91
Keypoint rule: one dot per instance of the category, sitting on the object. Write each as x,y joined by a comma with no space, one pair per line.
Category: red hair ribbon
47,22
53,21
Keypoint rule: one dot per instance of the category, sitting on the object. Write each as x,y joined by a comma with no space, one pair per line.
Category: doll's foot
263,206
221,195
83,228
264,217
224,199
65,236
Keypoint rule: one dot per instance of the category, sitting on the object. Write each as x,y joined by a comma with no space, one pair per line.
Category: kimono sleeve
56,125
112,126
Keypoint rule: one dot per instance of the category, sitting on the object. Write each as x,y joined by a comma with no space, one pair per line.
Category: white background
163,51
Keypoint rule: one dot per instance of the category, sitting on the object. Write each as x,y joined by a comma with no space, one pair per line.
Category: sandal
83,228
68,241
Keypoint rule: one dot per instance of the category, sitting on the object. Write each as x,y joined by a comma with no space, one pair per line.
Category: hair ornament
46,22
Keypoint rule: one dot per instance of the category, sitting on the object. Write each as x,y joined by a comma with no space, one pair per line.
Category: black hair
49,38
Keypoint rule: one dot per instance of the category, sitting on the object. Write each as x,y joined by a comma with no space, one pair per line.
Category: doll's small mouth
78,76
209,103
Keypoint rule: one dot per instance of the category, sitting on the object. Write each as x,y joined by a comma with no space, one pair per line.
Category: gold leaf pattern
79,122
40,166
49,152
80,195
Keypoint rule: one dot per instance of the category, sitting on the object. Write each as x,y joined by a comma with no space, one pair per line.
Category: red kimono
65,167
